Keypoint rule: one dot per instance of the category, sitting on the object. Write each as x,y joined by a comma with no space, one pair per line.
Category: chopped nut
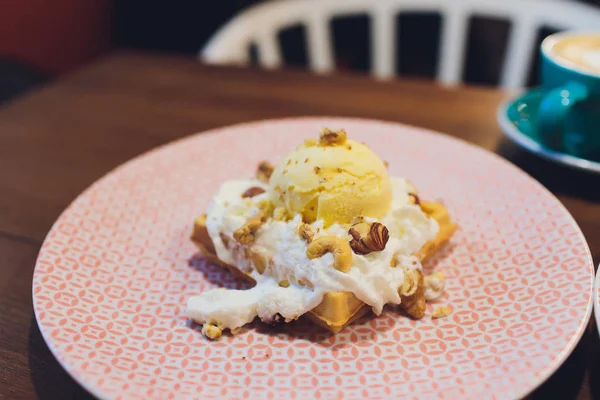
305,232
235,331
259,261
306,159
317,169
340,170
349,147
288,162
265,205
264,171
253,191
281,214
284,283
411,282
394,261
245,235
367,238
414,199
387,164
441,312
412,293
332,138
211,331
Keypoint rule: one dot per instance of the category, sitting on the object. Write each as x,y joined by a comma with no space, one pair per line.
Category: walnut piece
305,232
332,138
264,171
367,238
253,191
245,235
441,312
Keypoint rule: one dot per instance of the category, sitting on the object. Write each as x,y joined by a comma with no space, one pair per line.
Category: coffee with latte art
580,51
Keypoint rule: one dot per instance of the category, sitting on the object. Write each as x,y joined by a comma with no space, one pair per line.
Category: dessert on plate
326,233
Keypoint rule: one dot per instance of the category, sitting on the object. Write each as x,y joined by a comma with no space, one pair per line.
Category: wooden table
58,140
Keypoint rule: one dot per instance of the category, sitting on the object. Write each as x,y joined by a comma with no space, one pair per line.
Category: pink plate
114,273
597,299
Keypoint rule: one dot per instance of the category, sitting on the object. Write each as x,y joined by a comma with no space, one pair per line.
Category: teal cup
568,118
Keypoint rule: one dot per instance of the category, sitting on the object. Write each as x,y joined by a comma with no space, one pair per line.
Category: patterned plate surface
114,273
597,299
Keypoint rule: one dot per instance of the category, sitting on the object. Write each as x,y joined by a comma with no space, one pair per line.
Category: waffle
339,309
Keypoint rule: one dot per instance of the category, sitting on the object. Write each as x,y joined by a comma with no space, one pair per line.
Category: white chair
260,25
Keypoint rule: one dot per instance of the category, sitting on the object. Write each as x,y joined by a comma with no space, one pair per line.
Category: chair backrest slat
519,54
261,23
269,54
452,47
319,43
383,42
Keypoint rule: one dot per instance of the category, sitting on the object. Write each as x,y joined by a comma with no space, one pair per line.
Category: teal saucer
517,116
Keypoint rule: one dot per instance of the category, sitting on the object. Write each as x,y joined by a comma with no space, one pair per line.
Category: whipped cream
370,279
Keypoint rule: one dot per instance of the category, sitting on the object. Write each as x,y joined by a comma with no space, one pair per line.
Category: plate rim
545,373
524,141
597,299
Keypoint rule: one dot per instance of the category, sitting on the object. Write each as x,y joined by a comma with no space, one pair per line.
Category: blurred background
41,40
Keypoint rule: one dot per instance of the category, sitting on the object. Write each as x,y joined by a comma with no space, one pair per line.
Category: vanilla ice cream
333,182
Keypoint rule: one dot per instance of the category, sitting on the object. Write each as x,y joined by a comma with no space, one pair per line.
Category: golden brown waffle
339,309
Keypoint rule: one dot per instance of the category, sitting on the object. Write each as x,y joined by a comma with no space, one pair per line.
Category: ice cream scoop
334,179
